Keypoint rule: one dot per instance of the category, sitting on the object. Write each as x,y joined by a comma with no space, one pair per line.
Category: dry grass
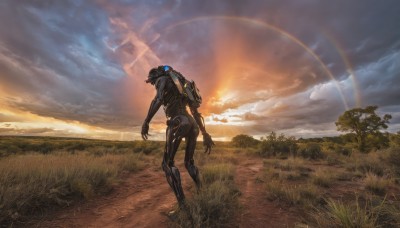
292,164
217,156
339,214
376,184
323,178
215,204
303,194
346,176
291,169
341,177
217,173
367,163
35,182
360,213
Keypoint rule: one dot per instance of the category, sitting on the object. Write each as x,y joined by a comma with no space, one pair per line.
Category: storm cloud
289,66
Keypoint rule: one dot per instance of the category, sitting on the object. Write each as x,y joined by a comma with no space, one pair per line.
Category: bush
244,141
281,145
377,141
311,151
395,139
394,159
343,150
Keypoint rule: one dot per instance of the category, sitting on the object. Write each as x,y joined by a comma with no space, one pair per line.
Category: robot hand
207,142
145,130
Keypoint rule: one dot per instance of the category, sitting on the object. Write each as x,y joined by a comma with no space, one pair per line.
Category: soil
257,210
144,199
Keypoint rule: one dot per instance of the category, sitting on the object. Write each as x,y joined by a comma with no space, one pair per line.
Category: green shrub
273,145
244,141
394,159
311,151
343,150
395,139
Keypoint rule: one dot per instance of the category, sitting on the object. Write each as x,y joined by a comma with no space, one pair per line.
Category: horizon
77,68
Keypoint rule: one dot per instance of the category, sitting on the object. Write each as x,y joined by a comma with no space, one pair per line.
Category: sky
77,68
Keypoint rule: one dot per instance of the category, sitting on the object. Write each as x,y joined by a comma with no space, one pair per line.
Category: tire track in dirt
257,210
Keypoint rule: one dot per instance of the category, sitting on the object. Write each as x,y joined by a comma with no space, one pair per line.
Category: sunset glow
77,68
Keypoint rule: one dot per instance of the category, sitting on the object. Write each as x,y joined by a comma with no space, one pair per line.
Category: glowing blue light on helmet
166,68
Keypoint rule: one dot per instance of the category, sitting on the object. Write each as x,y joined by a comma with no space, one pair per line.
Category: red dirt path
145,203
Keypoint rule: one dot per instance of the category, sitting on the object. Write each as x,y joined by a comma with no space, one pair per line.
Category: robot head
157,72
166,68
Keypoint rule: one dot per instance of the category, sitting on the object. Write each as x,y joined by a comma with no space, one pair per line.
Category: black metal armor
176,93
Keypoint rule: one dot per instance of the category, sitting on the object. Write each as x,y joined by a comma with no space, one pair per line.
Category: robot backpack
185,87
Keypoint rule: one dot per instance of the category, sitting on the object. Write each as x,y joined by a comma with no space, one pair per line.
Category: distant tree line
279,145
364,133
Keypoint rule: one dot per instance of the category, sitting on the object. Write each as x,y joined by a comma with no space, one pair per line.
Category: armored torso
173,101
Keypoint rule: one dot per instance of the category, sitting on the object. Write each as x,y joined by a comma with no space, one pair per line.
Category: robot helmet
167,68
153,75
157,72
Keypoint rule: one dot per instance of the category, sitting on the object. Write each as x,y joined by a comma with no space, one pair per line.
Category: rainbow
269,27
275,29
349,67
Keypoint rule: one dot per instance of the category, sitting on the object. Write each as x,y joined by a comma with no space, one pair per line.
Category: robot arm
199,119
207,140
154,106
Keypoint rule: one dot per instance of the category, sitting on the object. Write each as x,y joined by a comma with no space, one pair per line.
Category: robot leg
174,138
189,153
174,180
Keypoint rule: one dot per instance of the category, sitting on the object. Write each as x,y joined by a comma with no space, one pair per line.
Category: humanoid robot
175,93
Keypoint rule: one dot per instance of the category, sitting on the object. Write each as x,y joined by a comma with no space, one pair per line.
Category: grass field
322,188
37,174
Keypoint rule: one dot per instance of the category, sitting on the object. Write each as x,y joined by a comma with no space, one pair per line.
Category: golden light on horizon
26,123
256,71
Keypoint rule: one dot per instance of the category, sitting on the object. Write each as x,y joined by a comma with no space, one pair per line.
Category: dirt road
144,199
257,210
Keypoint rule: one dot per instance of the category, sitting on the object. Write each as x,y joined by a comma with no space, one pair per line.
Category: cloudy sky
77,68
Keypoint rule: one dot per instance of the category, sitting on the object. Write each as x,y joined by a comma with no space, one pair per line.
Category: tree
244,141
362,122
273,145
395,139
